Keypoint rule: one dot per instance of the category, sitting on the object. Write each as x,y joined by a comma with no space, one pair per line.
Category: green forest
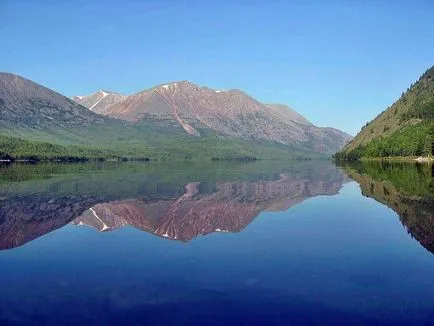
417,140
208,148
411,179
406,129
20,149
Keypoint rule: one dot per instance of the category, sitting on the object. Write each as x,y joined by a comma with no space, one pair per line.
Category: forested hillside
404,129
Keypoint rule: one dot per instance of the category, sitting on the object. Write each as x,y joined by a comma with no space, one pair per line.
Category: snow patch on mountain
104,94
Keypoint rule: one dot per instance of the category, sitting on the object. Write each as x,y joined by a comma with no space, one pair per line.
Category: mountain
99,101
24,103
202,110
290,113
186,122
38,123
404,129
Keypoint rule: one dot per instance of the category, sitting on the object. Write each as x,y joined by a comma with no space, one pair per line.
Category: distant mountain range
178,117
404,129
199,110
99,101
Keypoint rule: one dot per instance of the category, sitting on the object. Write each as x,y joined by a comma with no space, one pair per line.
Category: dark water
217,244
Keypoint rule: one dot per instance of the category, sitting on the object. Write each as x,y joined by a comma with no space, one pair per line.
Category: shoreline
409,159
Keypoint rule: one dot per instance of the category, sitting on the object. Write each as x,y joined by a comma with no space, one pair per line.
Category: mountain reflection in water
229,208
163,205
182,204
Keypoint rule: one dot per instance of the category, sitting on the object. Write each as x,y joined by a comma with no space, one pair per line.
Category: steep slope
287,113
201,110
99,101
25,104
404,129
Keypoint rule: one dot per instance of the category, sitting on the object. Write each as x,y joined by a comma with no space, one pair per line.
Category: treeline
416,140
16,149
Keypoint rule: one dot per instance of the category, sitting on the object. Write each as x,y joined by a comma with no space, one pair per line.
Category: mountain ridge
183,120
227,112
100,100
22,100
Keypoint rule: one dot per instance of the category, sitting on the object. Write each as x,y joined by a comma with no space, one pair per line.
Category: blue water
330,259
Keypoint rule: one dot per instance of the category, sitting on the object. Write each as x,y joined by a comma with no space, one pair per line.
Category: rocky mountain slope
404,129
38,123
291,114
201,110
179,120
24,103
99,101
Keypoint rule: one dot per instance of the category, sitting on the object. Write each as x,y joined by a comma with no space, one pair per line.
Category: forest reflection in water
406,188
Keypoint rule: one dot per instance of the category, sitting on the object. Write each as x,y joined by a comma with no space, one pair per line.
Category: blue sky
339,63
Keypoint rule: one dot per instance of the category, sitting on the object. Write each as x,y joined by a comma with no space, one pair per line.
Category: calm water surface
267,243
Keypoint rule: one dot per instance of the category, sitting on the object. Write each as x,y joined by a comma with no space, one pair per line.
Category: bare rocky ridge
27,104
99,101
288,113
227,112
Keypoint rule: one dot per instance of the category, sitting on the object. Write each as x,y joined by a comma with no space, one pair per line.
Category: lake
271,243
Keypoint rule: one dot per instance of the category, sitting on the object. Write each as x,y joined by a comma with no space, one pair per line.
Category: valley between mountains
177,120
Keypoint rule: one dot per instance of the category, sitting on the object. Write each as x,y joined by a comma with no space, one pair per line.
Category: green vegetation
404,129
20,149
410,179
416,140
408,189
154,140
130,179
